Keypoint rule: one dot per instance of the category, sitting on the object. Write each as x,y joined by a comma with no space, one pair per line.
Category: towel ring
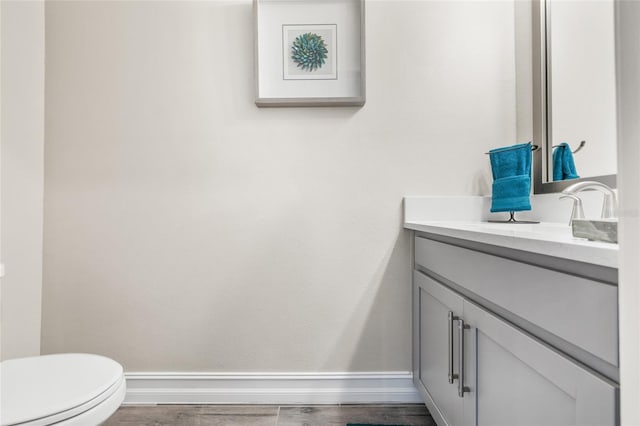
582,144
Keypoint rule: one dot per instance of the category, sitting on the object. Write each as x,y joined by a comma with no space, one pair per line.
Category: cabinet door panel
432,304
517,380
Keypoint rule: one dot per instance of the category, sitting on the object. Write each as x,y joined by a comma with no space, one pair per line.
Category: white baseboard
271,388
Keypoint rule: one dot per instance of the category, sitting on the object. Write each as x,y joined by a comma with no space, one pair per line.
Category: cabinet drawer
578,310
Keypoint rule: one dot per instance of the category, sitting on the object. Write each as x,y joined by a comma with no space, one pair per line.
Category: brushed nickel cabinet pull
461,387
451,319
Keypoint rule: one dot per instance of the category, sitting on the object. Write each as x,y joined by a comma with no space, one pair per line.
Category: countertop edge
579,251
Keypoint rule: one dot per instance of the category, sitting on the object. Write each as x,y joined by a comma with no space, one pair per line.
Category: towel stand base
512,219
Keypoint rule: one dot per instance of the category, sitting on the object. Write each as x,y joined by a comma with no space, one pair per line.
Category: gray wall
628,78
188,230
21,177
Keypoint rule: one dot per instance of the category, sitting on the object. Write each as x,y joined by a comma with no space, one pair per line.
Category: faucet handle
609,204
577,212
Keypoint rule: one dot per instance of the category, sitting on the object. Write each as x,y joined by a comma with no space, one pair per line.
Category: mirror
574,93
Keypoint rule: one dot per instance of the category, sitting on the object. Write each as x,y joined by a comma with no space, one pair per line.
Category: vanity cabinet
474,366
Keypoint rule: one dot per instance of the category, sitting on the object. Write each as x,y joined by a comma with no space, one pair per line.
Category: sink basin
605,230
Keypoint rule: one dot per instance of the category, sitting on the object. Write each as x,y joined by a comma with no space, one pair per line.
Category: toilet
60,389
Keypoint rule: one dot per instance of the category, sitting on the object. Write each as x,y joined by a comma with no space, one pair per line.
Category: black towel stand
512,219
533,148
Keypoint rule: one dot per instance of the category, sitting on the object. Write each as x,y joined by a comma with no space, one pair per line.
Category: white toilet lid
45,386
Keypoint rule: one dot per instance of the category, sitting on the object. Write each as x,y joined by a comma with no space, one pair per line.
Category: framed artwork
309,52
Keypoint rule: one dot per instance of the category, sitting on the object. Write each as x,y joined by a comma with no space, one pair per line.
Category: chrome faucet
609,203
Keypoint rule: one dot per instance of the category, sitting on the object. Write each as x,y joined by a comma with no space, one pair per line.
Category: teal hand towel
511,169
514,160
511,194
563,165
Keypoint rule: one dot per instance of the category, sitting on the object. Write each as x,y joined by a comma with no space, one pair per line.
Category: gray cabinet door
514,379
432,303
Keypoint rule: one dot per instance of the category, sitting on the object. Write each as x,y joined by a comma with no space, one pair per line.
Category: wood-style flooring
270,415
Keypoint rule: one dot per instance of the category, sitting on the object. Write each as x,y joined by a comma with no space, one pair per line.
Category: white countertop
552,239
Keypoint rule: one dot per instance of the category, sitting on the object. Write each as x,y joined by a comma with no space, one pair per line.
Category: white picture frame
326,66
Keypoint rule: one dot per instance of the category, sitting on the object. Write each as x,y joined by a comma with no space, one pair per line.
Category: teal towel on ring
511,169
563,165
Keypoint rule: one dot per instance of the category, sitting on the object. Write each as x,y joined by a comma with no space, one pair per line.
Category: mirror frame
542,157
